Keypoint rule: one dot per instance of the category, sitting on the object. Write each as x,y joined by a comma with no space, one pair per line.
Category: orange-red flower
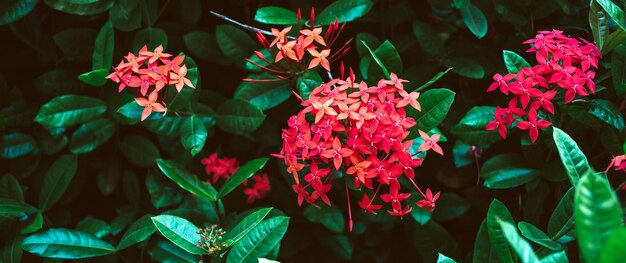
149,105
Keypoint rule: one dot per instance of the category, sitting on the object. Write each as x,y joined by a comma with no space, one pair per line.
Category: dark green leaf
151,37
618,69
517,242
94,226
187,180
562,213
137,232
466,67
10,188
535,234
513,61
607,112
163,192
11,11
329,216
475,20
203,45
180,231
139,150
431,239
263,95
239,117
126,15
12,251
497,213
613,10
80,7
613,40
103,48
483,252
428,38
242,174
450,206
15,145
66,244
235,43
193,135
132,110
435,105
274,15
92,134
95,77
597,213
471,129
388,58
599,23
58,82
165,251
76,50
68,110
57,179
371,40
16,209
573,159
344,11
259,241
307,82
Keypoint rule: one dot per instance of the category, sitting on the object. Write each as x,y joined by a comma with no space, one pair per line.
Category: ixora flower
290,56
349,129
223,168
564,64
149,72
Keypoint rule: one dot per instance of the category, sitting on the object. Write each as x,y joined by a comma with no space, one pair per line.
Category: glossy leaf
165,251
518,243
15,145
433,80
435,105
614,11
180,231
343,11
497,213
483,252
139,150
597,214
193,135
475,20
57,179
443,259
242,174
187,180
263,95
247,224
235,43
388,60
613,249
95,77
599,23
562,213
618,69
535,234
103,49
68,110
329,216
239,117
513,61
11,11
471,128
139,231
132,110
66,244
274,15
259,241
606,112
573,159
307,82
80,7
466,67
94,226
91,134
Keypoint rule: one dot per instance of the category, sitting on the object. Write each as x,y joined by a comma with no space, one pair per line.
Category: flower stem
349,208
248,27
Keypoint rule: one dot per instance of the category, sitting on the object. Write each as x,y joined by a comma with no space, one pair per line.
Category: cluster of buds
211,240
223,168
361,131
563,64
291,56
149,72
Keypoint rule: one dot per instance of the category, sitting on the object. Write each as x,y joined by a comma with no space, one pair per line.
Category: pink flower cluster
358,130
223,168
563,64
150,71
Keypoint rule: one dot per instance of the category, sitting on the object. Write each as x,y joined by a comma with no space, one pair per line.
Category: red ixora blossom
148,73
346,126
563,64
223,168
290,56
258,189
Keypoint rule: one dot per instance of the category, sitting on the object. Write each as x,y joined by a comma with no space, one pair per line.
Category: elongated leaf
471,128
259,241
187,180
498,212
16,209
613,10
264,95
599,24
139,150
435,105
165,251
126,15
180,231
613,249
513,61
519,245
193,135
388,58
573,159
508,177
558,257
80,7
95,77
562,213
274,15
243,173
92,134
483,252
329,216
613,40
15,145
343,11
10,188
535,234
163,192
12,251
66,244
137,232
103,48
58,178
234,43
466,67
597,213
433,80
247,224
475,20
607,112
239,117
618,69
11,11
94,226
68,110
431,239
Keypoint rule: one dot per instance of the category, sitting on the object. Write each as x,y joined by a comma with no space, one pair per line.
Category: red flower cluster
292,51
150,72
618,163
360,129
223,168
564,64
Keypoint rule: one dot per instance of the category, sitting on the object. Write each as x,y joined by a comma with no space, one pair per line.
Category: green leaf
535,234
428,39
187,180
16,144
68,110
247,224
126,15
80,7
443,259
613,10
259,241
152,37
94,226
274,15
66,244
435,105
461,3
103,49
599,24
180,231
11,11
558,257
597,213
193,135
139,150
498,212
10,188
76,50
95,77
573,159
613,249
607,112
263,95
507,177
431,239
613,40
59,81
483,252
203,45
513,61
239,117
163,193
132,110
242,174
235,43
618,69
165,251
343,11
388,58
371,40
92,134
137,232
433,80
466,67
562,213
475,20
450,206
521,246
471,128
12,251
329,216
307,82
16,209
57,179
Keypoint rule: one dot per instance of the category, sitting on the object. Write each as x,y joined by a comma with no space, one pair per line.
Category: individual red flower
149,105
366,204
533,125
319,58
259,189
219,167
430,142
429,201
